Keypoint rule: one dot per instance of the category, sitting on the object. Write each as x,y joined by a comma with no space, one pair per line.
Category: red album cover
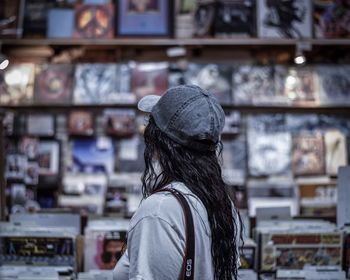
80,123
53,84
94,21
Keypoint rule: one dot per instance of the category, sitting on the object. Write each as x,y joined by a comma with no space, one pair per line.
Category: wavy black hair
200,171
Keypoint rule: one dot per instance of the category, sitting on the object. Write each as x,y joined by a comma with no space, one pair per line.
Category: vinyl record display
53,84
94,21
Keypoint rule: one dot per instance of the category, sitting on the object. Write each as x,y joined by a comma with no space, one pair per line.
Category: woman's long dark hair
201,173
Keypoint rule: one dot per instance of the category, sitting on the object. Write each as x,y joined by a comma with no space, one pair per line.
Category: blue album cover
60,23
92,155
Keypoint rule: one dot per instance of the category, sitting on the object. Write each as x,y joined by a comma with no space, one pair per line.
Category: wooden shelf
242,109
173,42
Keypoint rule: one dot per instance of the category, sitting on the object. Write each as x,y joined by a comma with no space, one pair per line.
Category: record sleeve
92,155
331,19
120,123
95,83
104,247
11,17
54,84
269,154
16,84
334,84
149,78
94,21
287,19
81,123
60,23
235,18
308,156
16,165
32,173
232,123
336,151
255,85
41,125
214,78
298,85
129,154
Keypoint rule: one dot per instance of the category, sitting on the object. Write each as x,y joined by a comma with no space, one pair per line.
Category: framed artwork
144,18
49,157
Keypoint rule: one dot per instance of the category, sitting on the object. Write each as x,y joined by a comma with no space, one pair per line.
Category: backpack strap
188,261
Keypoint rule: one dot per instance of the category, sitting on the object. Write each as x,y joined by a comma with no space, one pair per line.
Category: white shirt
156,239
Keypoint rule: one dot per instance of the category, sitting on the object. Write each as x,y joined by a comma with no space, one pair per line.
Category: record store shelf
174,42
241,108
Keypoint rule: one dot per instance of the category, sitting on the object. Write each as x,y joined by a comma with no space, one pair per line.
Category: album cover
32,173
41,125
92,155
334,84
16,166
149,78
129,155
269,154
16,84
308,156
247,256
331,19
336,151
267,123
29,146
120,122
295,250
298,85
116,198
215,78
287,19
60,23
54,84
104,247
235,18
81,123
48,157
95,83
255,85
20,194
204,19
94,21
35,18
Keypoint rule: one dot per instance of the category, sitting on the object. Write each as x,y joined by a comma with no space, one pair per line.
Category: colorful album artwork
286,19
334,84
247,258
92,155
308,156
294,251
103,249
149,78
81,123
54,84
16,84
94,21
50,250
214,78
331,18
95,83
255,85
298,85
235,18
269,154
120,123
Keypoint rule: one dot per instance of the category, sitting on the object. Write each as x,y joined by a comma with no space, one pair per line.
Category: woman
182,139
